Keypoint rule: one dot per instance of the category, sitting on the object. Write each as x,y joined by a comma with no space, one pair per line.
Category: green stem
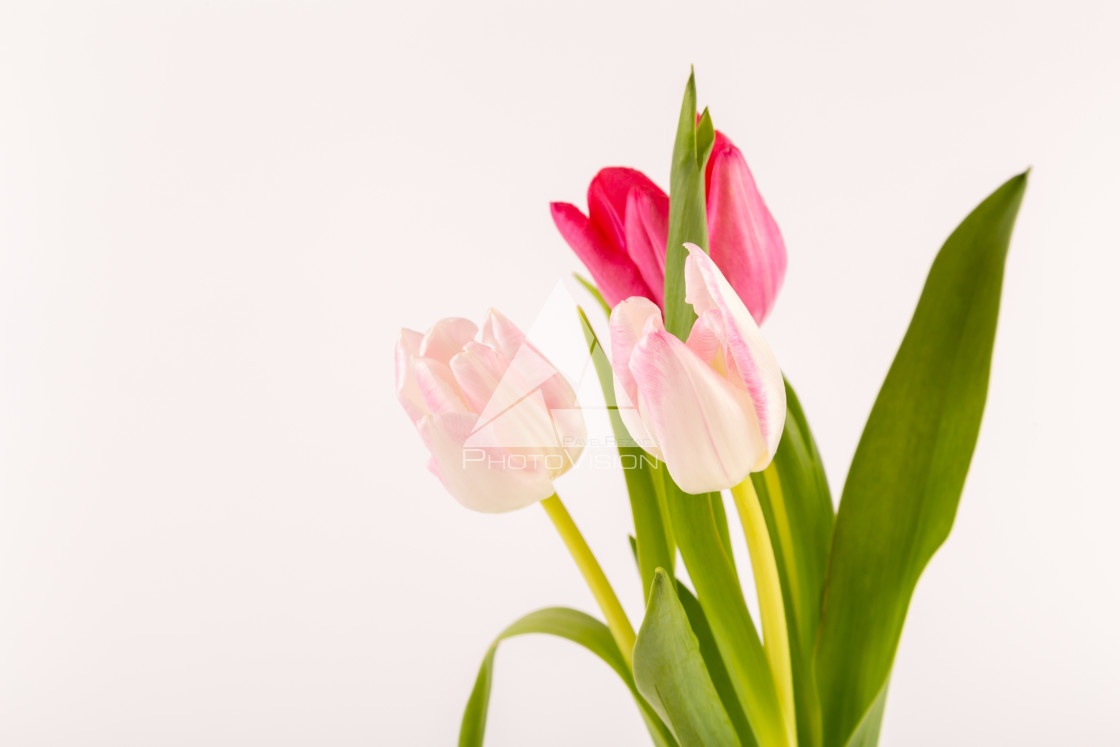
775,634
617,621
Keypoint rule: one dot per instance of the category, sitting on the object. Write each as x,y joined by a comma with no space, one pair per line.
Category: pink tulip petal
525,376
708,291
610,266
526,371
604,214
639,433
607,196
408,392
647,231
477,370
482,479
704,425
572,431
743,236
523,423
707,339
446,338
533,434
628,320
501,334
437,386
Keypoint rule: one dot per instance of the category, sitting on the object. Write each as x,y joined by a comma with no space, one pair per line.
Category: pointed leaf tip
669,671
906,478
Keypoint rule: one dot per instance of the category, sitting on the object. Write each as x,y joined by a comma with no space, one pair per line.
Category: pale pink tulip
711,408
622,239
499,420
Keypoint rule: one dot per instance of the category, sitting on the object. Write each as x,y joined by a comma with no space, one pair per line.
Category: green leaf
640,470
795,500
594,291
696,527
720,515
565,623
688,220
670,672
717,670
712,660
908,471
867,733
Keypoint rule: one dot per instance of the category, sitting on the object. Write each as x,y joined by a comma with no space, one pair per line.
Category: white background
215,522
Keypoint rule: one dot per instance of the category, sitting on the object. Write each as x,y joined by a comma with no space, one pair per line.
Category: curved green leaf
566,623
712,659
795,500
908,471
714,664
670,672
867,733
591,288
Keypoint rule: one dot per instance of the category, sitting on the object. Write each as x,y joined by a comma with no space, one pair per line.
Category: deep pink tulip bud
599,239
622,239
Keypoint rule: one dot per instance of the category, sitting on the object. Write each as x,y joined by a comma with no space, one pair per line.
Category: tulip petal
607,197
704,425
482,479
530,429
501,334
743,236
707,340
525,424
446,338
628,319
640,434
408,392
610,266
532,368
516,413
477,370
647,231
750,355
438,389
525,373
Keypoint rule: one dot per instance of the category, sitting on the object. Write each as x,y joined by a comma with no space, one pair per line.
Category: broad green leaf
712,660
565,623
795,500
908,471
688,221
696,529
655,544
867,733
714,664
670,673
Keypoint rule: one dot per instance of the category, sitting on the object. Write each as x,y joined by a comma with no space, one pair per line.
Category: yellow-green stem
617,621
775,635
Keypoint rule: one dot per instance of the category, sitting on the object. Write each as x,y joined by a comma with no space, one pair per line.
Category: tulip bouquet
698,405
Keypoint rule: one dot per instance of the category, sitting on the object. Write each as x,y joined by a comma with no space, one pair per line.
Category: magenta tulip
622,238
